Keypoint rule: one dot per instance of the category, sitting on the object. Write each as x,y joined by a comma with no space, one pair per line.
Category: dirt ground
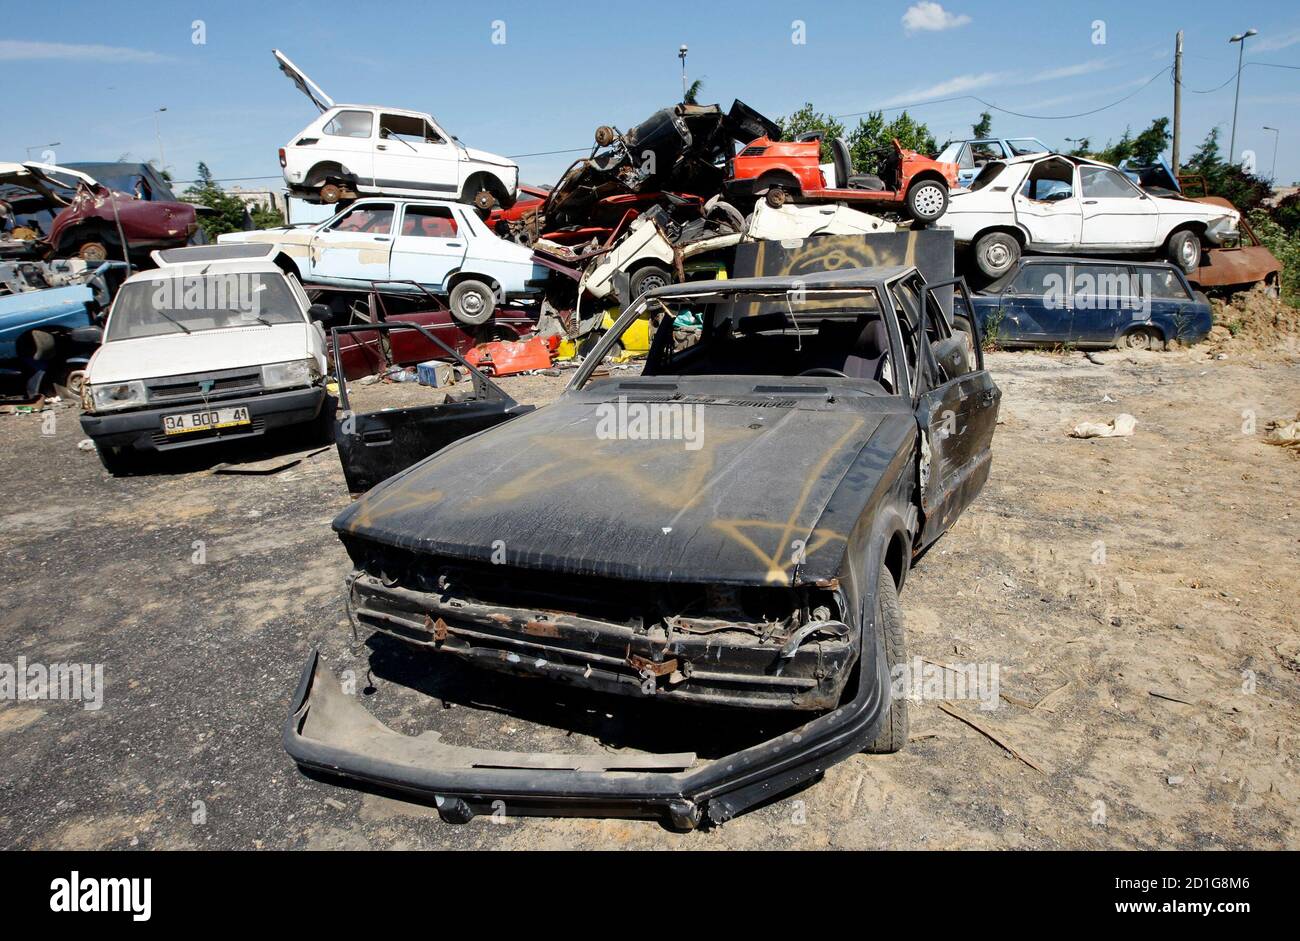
1137,594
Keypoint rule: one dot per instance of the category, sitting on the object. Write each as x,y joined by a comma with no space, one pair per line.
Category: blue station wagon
1092,302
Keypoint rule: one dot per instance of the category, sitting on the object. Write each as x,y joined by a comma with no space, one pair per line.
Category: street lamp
681,54
39,146
157,130
1272,178
1241,51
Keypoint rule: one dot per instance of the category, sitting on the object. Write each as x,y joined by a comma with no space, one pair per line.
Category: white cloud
928,16
13,50
1070,71
1273,43
956,85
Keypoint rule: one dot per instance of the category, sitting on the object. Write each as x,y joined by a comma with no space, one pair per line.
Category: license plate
208,419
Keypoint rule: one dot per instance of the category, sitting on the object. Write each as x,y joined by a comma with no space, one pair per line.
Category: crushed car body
87,219
754,572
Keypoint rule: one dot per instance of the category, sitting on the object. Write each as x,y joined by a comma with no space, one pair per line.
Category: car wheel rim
929,200
650,284
997,256
1189,252
472,304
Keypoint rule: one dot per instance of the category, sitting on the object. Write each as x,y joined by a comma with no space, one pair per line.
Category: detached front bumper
330,731
142,428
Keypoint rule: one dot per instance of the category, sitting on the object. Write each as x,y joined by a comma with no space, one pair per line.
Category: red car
60,212
529,198
791,170
366,353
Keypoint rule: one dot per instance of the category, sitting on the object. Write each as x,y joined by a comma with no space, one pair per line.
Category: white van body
216,343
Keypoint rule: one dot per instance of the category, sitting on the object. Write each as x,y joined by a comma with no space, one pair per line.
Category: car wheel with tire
889,630
927,200
473,302
93,251
117,461
1184,250
996,254
1139,338
647,279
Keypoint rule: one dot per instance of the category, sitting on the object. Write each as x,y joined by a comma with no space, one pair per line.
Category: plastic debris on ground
1120,427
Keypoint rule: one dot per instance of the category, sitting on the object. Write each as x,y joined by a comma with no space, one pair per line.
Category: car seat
857,348
844,177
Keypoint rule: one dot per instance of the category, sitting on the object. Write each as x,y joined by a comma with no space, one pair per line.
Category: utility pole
1241,52
681,54
157,130
1272,173
1178,101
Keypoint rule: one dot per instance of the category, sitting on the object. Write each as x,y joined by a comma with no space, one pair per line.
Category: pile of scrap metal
682,153
50,316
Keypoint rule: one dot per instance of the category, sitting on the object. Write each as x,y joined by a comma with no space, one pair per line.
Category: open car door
322,101
374,446
956,409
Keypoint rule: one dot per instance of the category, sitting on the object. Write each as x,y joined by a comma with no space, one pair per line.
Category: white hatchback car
353,150
444,247
1053,203
216,343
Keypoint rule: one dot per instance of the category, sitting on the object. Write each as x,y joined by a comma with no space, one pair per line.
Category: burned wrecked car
787,465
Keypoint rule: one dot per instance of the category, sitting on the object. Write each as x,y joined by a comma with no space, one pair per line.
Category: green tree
985,126
873,137
692,96
229,210
267,218
1287,214
1083,148
1244,190
808,119
1151,143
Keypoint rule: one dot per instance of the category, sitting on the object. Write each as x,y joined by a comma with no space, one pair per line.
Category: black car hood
546,491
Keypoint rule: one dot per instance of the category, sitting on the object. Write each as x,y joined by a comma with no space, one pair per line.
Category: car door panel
1115,212
956,418
430,246
374,446
407,159
355,246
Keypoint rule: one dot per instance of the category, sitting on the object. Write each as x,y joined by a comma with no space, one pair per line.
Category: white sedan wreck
1052,203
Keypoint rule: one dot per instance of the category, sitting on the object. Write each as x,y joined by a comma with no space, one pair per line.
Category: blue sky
90,79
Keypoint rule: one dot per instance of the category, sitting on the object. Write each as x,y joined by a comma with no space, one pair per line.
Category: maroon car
48,211
367,352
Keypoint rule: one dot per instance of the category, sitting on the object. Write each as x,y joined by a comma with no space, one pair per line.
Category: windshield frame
884,302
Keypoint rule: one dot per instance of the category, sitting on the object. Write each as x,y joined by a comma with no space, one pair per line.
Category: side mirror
321,314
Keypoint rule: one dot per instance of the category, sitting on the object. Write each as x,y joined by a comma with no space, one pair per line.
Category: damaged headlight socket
298,372
108,396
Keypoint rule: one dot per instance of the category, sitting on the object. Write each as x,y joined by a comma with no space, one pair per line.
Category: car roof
389,108
196,268
195,260
817,280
